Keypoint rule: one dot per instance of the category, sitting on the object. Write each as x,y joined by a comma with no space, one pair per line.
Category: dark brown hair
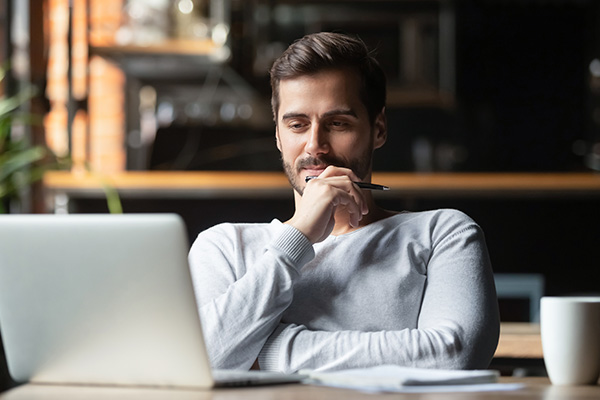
321,51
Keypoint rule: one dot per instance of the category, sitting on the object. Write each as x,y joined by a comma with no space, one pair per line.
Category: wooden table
519,340
534,389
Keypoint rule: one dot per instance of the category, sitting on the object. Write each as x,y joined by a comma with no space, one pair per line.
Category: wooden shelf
263,184
418,97
173,58
187,47
490,184
172,184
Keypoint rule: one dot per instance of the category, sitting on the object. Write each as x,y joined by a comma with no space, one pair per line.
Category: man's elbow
480,349
469,349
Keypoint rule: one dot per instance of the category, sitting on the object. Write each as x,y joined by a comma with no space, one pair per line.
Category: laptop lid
100,299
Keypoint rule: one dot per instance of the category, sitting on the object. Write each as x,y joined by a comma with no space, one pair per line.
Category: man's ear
277,139
380,128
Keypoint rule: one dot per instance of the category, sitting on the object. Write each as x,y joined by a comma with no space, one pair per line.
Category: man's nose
317,141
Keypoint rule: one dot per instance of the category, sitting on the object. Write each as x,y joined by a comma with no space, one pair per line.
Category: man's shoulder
436,217
240,228
435,224
233,237
425,229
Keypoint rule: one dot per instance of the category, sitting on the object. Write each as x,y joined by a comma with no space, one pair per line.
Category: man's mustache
320,162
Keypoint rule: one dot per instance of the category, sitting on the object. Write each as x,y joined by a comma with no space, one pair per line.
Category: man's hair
325,51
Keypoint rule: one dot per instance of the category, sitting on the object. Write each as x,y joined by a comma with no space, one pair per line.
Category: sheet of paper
395,378
395,375
483,387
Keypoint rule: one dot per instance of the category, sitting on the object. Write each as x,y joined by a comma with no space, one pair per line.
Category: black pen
362,185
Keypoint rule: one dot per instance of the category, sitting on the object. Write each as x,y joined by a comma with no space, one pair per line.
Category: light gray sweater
415,289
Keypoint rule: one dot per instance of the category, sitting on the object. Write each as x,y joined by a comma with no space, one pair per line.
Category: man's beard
361,166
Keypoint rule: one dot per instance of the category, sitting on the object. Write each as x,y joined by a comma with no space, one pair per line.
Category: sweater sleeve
238,313
458,324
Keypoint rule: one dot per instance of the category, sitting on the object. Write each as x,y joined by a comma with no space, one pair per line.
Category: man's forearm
237,323
292,348
238,315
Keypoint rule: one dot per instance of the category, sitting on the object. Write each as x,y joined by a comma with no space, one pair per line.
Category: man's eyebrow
343,111
331,113
293,115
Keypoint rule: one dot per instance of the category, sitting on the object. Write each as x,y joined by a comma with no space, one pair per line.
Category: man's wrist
270,354
294,244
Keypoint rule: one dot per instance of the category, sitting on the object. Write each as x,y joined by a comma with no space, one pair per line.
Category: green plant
21,163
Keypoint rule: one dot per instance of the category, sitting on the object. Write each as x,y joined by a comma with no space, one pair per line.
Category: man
342,283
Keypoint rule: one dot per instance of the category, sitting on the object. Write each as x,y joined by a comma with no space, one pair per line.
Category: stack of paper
394,375
397,378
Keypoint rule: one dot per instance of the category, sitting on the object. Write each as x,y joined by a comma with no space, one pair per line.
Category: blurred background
475,86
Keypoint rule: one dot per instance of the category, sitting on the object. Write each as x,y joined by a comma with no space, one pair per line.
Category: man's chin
296,182
298,187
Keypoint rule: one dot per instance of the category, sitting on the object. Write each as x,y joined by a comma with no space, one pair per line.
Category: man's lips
313,170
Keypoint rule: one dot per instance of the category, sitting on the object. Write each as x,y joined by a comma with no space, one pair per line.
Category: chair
522,286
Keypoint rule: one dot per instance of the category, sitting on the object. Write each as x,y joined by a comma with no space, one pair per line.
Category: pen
362,185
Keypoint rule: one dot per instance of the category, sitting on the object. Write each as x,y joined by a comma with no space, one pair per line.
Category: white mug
570,328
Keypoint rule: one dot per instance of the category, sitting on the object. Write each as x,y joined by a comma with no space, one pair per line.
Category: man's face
321,121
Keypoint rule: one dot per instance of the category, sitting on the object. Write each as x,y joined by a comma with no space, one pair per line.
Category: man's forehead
347,75
330,92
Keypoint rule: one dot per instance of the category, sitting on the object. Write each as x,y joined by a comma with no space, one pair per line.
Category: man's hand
333,190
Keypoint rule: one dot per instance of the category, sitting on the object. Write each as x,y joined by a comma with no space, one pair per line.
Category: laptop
105,300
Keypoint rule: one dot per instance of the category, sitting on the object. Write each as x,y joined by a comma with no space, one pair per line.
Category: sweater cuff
294,245
268,358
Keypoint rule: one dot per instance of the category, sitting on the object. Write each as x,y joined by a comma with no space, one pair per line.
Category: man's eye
338,124
296,126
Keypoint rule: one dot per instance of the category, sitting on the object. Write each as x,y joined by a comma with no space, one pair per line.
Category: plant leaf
9,104
14,161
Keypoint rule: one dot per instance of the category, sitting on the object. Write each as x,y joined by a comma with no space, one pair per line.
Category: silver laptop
104,300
